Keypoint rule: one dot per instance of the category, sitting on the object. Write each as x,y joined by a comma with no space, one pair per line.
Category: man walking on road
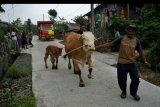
82,28
126,61
30,36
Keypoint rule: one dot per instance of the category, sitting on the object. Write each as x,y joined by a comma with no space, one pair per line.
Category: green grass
28,101
16,71
62,42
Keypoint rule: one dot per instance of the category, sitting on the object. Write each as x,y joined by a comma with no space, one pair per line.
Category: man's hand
148,64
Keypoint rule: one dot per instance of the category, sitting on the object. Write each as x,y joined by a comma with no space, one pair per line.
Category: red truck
45,30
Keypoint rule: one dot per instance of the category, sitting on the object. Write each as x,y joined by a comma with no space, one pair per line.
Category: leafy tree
150,24
62,20
149,32
1,8
80,19
153,55
53,14
28,24
151,12
118,23
3,30
17,24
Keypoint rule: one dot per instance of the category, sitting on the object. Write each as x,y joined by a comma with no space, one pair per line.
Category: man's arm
106,45
109,44
144,59
141,53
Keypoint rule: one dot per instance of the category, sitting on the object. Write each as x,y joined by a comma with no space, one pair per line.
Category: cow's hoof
81,85
90,76
75,72
53,67
46,67
69,67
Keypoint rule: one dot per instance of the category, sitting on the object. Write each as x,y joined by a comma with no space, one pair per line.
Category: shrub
154,53
119,24
3,29
16,71
148,32
28,101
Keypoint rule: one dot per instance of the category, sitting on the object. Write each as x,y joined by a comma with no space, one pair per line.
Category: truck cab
45,30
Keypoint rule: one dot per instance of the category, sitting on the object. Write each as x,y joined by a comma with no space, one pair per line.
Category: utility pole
92,18
128,11
43,17
8,18
13,12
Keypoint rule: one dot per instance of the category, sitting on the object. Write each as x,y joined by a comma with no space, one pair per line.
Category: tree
28,24
1,8
151,12
80,19
117,23
62,20
53,14
150,25
149,33
17,24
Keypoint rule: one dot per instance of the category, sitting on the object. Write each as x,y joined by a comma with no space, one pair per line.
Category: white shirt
14,36
13,33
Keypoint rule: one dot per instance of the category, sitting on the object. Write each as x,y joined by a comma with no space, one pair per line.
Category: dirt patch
22,86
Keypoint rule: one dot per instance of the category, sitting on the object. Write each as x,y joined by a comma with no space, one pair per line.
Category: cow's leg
69,63
56,67
45,58
78,71
74,69
53,61
90,64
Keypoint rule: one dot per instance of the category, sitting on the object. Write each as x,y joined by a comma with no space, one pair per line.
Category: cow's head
88,41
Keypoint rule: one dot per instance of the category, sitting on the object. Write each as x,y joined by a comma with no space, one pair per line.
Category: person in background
19,39
14,39
126,61
82,28
24,41
30,36
117,34
122,12
9,39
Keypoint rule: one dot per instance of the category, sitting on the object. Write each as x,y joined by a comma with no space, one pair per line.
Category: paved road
59,88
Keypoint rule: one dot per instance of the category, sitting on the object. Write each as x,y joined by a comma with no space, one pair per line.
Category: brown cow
54,53
79,48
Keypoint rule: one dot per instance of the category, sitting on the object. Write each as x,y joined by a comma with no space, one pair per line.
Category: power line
75,10
57,6
11,7
13,12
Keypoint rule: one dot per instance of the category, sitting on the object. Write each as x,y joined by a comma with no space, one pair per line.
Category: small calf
54,53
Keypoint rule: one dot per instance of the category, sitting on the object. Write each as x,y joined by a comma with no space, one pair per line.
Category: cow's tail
65,56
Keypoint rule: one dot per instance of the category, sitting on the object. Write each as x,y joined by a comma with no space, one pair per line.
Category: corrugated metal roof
3,22
72,26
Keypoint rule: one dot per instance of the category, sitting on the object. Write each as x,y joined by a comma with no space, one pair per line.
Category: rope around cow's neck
79,47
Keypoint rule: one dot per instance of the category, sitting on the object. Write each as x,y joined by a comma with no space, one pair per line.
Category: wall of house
132,12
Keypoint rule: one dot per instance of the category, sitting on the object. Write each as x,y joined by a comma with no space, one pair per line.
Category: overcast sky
35,11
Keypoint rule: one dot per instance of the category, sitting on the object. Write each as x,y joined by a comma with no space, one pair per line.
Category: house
72,27
131,11
2,23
